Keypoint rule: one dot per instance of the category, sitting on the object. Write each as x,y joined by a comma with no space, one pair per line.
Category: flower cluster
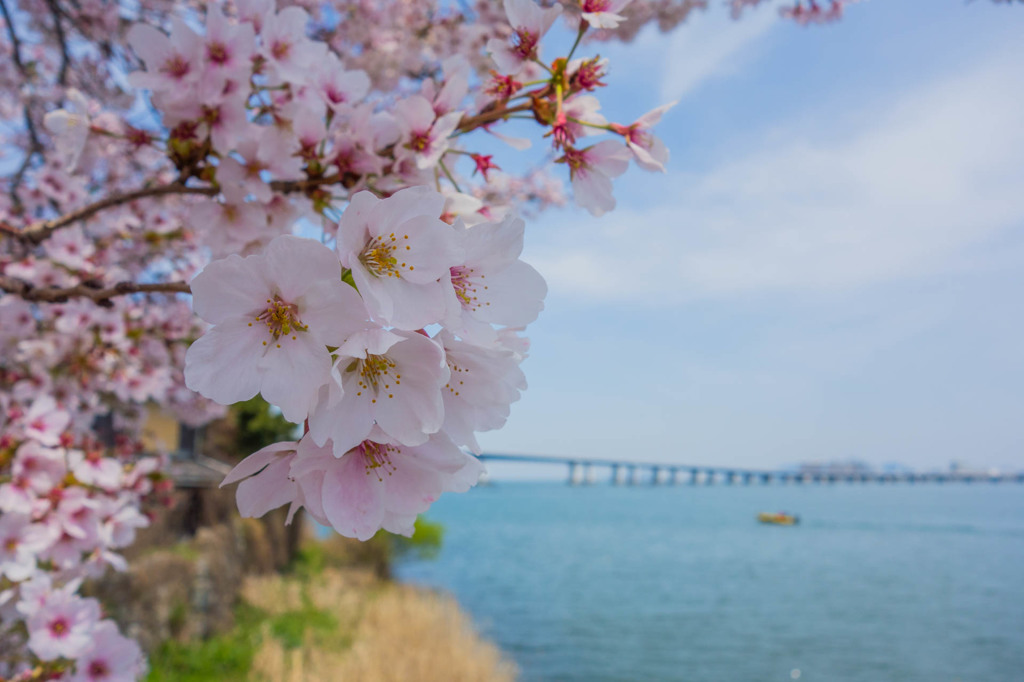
393,336
65,509
336,339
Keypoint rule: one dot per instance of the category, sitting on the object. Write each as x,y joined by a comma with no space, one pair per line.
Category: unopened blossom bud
484,165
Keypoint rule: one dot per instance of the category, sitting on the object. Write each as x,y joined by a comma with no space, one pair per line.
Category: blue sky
831,268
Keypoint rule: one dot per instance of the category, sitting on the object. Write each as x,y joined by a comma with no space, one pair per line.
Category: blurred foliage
259,425
425,543
225,658
290,627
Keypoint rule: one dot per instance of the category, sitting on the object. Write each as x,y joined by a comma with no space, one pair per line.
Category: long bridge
582,471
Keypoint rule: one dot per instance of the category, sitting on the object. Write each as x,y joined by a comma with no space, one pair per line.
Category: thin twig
98,294
35,146
65,58
472,122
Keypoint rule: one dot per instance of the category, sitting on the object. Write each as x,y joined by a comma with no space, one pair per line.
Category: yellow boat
778,518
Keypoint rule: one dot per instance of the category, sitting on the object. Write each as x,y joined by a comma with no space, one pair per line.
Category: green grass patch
225,658
290,628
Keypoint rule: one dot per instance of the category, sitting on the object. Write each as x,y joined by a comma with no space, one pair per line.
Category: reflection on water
877,583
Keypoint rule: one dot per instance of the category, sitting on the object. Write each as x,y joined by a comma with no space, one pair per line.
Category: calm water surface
877,583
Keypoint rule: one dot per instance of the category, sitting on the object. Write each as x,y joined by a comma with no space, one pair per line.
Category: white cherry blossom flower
484,382
110,657
70,126
398,250
529,23
389,378
265,481
591,171
492,285
649,152
424,134
274,316
380,483
45,421
171,61
603,13
61,627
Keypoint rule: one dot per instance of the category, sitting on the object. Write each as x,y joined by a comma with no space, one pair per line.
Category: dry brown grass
385,633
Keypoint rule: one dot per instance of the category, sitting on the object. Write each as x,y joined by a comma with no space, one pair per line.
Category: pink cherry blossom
389,378
649,152
424,134
484,382
591,171
45,421
70,126
529,24
20,544
110,657
62,626
274,316
492,285
228,48
265,480
285,47
603,13
398,250
172,62
380,483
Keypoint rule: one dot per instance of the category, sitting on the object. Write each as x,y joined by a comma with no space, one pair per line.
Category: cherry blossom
398,250
389,378
591,170
70,126
380,483
491,285
603,13
274,316
649,152
60,624
148,245
483,383
529,24
110,657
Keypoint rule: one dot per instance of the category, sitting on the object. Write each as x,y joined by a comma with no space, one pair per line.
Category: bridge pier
631,474
730,477
693,476
615,474
655,475
709,477
575,477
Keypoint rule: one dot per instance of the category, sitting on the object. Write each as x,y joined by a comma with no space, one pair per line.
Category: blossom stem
589,125
448,174
579,37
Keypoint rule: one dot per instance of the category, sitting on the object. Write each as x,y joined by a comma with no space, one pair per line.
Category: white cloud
709,45
895,191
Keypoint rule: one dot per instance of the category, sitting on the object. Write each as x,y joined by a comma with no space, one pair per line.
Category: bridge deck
581,470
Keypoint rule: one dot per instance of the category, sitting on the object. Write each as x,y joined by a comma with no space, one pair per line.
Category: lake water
878,583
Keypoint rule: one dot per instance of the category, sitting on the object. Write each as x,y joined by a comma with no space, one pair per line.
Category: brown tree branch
39,231
473,122
98,294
